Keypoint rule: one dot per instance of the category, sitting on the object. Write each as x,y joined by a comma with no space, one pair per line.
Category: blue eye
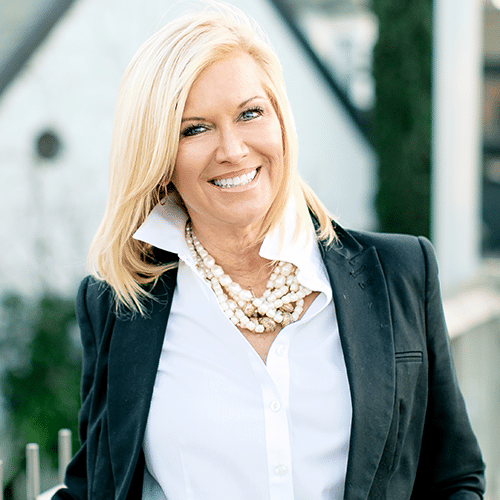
250,114
193,130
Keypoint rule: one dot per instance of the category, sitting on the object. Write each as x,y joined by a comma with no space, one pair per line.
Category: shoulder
391,244
406,259
94,306
96,298
398,249
94,293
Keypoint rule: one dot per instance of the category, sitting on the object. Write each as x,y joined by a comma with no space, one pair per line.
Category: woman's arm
76,473
450,462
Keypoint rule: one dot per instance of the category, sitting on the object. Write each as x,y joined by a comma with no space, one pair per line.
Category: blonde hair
146,133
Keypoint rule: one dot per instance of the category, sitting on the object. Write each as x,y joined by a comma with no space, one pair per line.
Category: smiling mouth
236,181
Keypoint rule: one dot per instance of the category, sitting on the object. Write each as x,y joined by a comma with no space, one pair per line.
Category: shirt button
280,350
275,406
280,470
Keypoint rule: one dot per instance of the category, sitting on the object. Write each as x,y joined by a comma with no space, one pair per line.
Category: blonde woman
238,344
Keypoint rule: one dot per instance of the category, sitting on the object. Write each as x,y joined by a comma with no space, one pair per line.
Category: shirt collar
164,228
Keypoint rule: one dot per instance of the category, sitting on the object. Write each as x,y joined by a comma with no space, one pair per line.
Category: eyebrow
200,119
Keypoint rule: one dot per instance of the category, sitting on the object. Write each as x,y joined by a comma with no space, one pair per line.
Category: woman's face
230,158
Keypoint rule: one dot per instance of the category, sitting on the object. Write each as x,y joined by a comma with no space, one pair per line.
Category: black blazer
410,435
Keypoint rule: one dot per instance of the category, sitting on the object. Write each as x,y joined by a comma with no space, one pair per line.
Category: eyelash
189,131
255,109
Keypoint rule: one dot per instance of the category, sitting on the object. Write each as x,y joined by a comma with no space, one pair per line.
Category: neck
237,252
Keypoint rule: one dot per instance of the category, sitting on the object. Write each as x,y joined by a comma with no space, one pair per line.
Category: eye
194,129
250,114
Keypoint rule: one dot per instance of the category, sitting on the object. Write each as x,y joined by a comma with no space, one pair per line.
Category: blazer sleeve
76,473
450,458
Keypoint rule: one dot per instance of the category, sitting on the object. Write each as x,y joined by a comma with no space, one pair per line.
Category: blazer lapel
363,315
134,355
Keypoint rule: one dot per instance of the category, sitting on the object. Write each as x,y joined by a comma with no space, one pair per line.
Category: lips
231,182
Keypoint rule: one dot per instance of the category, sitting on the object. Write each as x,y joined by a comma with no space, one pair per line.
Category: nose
232,147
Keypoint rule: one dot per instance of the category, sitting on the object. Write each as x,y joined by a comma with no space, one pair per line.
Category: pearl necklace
281,303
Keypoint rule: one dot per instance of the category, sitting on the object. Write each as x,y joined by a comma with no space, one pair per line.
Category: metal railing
1,479
33,468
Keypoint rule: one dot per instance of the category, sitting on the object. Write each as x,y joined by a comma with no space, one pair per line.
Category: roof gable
24,24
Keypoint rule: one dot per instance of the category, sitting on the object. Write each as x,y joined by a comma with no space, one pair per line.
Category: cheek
192,159
275,145
185,168
182,178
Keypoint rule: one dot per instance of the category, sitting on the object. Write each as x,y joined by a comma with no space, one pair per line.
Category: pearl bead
209,261
259,329
279,281
217,271
268,324
225,280
249,310
246,295
286,269
263,308
271,313
234,288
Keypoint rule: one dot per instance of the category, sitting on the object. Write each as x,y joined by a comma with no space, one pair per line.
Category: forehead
233,80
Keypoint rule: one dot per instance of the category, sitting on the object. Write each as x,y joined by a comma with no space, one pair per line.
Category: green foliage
41,385
402,115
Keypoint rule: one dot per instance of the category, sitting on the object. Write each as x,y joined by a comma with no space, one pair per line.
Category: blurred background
397,104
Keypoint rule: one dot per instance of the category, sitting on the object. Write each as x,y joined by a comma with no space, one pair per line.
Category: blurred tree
41,382
402,115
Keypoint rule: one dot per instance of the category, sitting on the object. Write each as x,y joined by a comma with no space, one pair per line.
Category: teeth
236,181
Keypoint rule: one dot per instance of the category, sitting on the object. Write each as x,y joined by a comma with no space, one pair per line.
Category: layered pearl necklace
281,303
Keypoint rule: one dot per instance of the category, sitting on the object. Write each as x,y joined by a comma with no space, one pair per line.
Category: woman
237,343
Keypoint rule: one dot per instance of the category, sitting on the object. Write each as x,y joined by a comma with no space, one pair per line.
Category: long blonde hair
146,132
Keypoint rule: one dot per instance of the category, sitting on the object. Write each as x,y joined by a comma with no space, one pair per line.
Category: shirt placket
275,390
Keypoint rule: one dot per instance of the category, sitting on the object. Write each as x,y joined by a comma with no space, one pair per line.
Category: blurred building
491,124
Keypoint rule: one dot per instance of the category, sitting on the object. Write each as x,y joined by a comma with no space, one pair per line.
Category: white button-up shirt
224,425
